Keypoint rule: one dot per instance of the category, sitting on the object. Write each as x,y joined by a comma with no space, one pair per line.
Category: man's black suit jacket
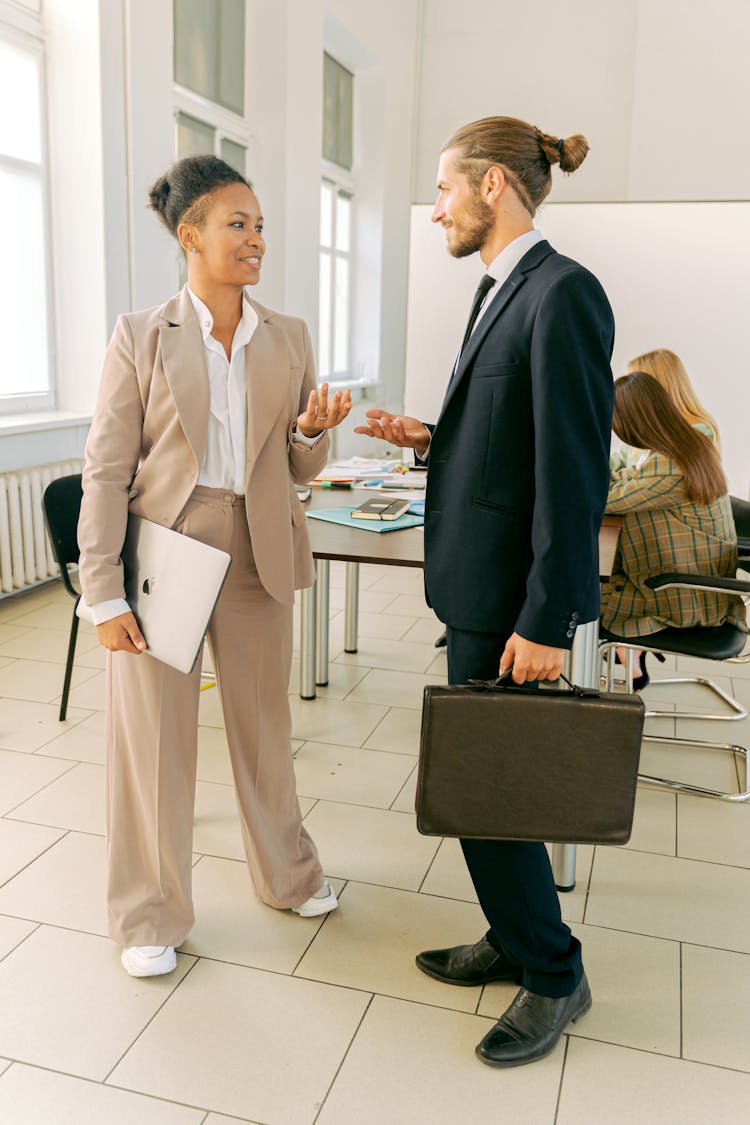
519,459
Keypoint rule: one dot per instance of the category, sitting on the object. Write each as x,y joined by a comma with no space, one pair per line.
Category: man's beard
475,227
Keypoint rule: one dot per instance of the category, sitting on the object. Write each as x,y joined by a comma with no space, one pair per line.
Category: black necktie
482,290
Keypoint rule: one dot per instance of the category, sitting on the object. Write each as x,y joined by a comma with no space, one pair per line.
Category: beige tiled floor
272,1019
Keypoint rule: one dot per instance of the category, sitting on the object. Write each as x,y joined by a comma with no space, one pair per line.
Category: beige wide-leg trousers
152,743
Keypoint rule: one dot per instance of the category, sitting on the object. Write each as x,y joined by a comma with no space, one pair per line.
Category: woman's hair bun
158,196
177,195
569,152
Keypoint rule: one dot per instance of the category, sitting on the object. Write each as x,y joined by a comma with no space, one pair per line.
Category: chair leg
69,665
699,790
736,711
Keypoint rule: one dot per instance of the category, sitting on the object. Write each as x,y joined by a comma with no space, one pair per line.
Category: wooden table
406,548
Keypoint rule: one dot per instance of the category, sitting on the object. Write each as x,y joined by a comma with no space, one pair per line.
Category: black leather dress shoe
468,965
532,1025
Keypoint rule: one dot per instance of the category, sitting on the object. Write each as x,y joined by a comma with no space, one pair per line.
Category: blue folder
344,516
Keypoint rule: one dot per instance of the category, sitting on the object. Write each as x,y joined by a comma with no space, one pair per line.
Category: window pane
209,49
326,214
194,136
234,154
341,317
324,318
343,222
19,97
23,291
338,93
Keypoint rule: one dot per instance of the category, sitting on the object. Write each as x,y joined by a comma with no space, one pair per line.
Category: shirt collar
244,330
506,261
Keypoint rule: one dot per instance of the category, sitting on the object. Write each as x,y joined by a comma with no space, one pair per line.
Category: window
336,225
209,75
338,89
209,50
335,282
24,279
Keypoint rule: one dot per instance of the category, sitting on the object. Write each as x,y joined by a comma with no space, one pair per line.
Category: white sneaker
323,902
148,960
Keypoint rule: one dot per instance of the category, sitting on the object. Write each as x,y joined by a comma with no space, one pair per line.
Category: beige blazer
148,438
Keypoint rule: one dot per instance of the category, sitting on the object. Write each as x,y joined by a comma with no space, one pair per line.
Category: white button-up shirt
224,459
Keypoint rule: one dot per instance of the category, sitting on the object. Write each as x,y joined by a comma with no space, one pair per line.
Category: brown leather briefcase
503,762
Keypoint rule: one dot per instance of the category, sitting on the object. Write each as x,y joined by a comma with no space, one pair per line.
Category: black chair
741,513
720,642
62,506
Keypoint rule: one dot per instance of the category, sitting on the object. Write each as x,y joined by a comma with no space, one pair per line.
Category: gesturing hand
322,415
121,634
406,433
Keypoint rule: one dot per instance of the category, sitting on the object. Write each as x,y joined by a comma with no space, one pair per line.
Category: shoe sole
324,909
467,983
132,972
502,1064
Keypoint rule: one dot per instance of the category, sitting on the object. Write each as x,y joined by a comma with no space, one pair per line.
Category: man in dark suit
517,484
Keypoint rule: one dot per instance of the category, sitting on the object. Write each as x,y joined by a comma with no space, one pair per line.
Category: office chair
719,642
62,506
741,514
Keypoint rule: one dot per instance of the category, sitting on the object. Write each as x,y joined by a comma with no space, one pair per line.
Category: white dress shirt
503,265
224,460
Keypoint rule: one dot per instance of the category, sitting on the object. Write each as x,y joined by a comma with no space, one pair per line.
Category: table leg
308,603
584,672
322,584
351,612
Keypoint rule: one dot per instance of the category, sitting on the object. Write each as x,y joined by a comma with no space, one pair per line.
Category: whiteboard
677,276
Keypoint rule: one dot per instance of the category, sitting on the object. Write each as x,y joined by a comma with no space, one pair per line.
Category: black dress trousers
513,879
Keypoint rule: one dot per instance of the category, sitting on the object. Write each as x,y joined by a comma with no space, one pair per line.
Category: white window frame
227,124
342,183
23,28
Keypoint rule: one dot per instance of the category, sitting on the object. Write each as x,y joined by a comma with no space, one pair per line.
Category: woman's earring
193,250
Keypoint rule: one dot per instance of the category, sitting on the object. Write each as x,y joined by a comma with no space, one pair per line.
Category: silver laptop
172,584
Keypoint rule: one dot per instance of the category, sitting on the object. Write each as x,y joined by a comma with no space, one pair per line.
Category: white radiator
25,554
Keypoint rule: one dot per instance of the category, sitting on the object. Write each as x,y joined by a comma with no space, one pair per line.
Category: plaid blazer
664,531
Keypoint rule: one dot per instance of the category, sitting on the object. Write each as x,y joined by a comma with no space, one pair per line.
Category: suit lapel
184,362
498,304
268,374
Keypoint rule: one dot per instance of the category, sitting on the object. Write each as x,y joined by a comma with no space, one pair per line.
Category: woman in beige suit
207,416
678,518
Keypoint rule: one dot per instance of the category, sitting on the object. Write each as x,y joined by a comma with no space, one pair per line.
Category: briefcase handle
505,683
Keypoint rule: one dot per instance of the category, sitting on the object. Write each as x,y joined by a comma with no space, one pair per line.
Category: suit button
570,633
575,615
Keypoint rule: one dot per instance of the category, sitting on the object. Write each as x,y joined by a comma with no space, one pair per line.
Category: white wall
659,87
677,276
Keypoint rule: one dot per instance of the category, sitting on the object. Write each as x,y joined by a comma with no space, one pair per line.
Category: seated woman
669,371
677,518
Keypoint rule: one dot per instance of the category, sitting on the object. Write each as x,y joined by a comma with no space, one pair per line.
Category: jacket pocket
498,509
494,370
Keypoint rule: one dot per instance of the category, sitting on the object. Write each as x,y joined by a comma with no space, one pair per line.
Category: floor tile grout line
318,930
73,765
344,1058
110,1086
57,827
430,867
560,1083
408,779
183,978
682,1005
18,944
5,882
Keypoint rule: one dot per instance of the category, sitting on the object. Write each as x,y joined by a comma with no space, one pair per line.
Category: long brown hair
524,152
645,417
669,370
